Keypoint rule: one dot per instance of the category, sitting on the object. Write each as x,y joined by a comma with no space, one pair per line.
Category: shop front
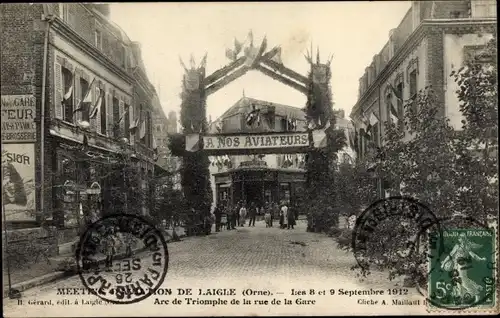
255,182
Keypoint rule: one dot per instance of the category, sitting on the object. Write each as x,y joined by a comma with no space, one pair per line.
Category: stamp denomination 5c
464,276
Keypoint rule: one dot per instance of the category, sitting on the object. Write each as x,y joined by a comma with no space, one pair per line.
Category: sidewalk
43,272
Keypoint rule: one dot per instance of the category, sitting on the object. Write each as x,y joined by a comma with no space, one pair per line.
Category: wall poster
18,182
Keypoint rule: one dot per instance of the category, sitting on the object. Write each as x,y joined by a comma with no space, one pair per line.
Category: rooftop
244,105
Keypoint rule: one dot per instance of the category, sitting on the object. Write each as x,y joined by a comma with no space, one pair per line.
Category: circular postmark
393,232
464,276
106,264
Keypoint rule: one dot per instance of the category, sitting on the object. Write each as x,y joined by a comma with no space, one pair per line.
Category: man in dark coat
218,214
252,213
230,217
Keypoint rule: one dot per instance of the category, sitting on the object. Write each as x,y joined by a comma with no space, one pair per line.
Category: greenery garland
195,174
320,162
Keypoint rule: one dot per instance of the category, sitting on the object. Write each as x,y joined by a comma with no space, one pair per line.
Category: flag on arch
319,136
193,142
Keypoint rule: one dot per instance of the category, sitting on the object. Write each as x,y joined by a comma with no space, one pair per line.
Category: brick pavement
256,257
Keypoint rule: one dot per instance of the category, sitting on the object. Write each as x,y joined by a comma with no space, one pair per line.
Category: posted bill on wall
18,182
18,118
259,159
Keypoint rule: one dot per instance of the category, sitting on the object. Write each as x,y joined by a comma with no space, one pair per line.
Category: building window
103,115
68,94
98,39
389,106
126,120
124,56
84,90
413,89
399,107
483,8
62,11
116,117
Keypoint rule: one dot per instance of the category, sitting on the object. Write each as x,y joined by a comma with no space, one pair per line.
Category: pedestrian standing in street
237,214
110,242
284,212
268,215
218,214
291,218
243,215
230,217
252,213
269,209
275,214
129,240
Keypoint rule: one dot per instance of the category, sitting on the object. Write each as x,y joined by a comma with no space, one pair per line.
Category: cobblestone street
257,257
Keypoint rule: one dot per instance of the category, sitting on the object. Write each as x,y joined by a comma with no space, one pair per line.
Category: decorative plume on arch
194,74
309,57
192,63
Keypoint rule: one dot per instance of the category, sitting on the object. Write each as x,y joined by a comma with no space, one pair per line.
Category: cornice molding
74,38
425,27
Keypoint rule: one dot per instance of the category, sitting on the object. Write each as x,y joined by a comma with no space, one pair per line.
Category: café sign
18,118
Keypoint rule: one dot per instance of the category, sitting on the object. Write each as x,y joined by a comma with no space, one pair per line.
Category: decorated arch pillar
319,112
195,174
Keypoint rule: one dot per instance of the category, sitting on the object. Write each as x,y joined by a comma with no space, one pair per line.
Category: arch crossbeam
228,78
281,78
220,73
285,71
262,63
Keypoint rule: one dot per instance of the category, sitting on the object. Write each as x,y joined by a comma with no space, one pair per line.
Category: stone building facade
430,42
433,39
57,58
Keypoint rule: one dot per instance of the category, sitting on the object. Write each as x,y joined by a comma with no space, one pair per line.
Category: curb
71,271
37,281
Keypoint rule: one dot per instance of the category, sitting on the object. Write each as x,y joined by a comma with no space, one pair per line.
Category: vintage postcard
249,158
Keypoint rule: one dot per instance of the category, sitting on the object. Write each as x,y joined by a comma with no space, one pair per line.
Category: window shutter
93,97
122,111
132,121
97,91
58,91
71,14
109,113
77,93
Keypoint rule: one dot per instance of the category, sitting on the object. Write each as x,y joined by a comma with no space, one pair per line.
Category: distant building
254,178
433,39
168,163
347,154
261,178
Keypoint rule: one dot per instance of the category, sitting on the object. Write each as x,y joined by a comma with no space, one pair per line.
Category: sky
352,31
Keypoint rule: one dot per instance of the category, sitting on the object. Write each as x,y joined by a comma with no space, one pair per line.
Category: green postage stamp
464,275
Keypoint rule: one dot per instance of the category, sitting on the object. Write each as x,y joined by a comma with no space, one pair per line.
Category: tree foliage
452,171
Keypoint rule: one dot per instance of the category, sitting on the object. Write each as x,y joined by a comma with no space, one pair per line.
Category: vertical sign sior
18,181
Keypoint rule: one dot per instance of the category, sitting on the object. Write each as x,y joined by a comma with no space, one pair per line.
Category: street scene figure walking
243,215
252,214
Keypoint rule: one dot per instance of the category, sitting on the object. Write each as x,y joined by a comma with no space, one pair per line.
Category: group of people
231,217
